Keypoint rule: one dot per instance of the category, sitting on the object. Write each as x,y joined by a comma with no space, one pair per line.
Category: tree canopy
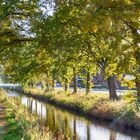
60,40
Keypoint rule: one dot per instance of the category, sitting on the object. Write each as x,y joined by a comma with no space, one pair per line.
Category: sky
47,8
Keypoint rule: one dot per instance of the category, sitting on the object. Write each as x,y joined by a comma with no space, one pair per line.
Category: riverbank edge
10,116
117,122
19,127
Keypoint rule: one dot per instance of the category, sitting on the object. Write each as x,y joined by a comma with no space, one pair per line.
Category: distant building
99,80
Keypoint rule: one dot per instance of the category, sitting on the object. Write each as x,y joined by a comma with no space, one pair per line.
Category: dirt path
3,122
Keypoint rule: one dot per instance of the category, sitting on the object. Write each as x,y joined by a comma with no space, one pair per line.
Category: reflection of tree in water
64,125
36,106
75,137
49,116
54,122
67,127
18,99
59,122
27,102
113,135
41,115
31,106
88,131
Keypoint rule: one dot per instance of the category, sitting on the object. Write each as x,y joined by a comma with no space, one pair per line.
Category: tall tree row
78,36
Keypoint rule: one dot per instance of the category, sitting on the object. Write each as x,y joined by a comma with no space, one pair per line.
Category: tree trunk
88,132
138,88
47,87
74,81
43,85
74,126
53,84
32,85
88,82
113,135
137,81
35,106
31,106
66,84
112,88
136,38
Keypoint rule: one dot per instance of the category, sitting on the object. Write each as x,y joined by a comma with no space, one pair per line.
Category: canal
72,125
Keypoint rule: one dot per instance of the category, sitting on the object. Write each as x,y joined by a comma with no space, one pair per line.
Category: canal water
72,125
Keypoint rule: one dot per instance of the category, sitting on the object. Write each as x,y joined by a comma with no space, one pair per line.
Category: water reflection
72,127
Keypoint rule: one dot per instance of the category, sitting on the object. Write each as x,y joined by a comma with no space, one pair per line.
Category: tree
90,36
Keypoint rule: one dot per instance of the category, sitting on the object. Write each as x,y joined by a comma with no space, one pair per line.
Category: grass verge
22,125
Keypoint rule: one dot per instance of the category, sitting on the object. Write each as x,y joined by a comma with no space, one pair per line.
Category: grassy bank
21,123
124,112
